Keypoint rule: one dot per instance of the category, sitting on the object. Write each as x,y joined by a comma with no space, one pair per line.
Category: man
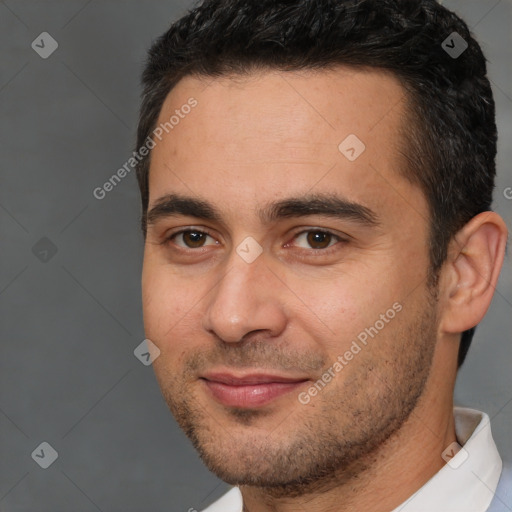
316,192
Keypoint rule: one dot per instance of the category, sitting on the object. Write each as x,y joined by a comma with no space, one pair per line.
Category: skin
375,433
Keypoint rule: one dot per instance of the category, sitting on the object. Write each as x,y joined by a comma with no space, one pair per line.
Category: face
284,277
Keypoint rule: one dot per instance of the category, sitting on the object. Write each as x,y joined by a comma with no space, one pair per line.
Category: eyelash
325,251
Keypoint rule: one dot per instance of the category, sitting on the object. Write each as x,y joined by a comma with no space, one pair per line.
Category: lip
249,390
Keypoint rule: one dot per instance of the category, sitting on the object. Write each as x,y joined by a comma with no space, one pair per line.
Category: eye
190,238
316,239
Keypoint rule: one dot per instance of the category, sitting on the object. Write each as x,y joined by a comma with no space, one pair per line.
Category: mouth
249,390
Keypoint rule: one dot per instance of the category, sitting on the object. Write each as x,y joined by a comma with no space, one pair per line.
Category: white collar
468,480
465,484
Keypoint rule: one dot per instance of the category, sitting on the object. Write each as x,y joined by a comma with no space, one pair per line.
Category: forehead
272,134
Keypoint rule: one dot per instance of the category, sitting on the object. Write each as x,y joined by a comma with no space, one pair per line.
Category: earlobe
475,258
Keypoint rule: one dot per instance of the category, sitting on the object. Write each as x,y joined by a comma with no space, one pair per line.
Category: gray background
69,324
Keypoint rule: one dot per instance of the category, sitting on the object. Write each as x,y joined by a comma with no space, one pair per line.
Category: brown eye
190,239
319,239
194,239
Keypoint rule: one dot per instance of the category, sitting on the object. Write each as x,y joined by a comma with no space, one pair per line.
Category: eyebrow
328,205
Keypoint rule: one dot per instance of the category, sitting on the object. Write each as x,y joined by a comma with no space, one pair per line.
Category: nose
246,299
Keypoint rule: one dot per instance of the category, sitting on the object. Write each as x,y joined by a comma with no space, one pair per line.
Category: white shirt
466,483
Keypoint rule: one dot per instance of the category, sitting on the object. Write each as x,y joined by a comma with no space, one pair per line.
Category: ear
475,257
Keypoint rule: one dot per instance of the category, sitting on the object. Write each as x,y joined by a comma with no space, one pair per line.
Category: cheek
344,305
164,302
165,318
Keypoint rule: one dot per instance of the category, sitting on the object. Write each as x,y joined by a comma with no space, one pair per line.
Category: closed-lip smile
249,390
